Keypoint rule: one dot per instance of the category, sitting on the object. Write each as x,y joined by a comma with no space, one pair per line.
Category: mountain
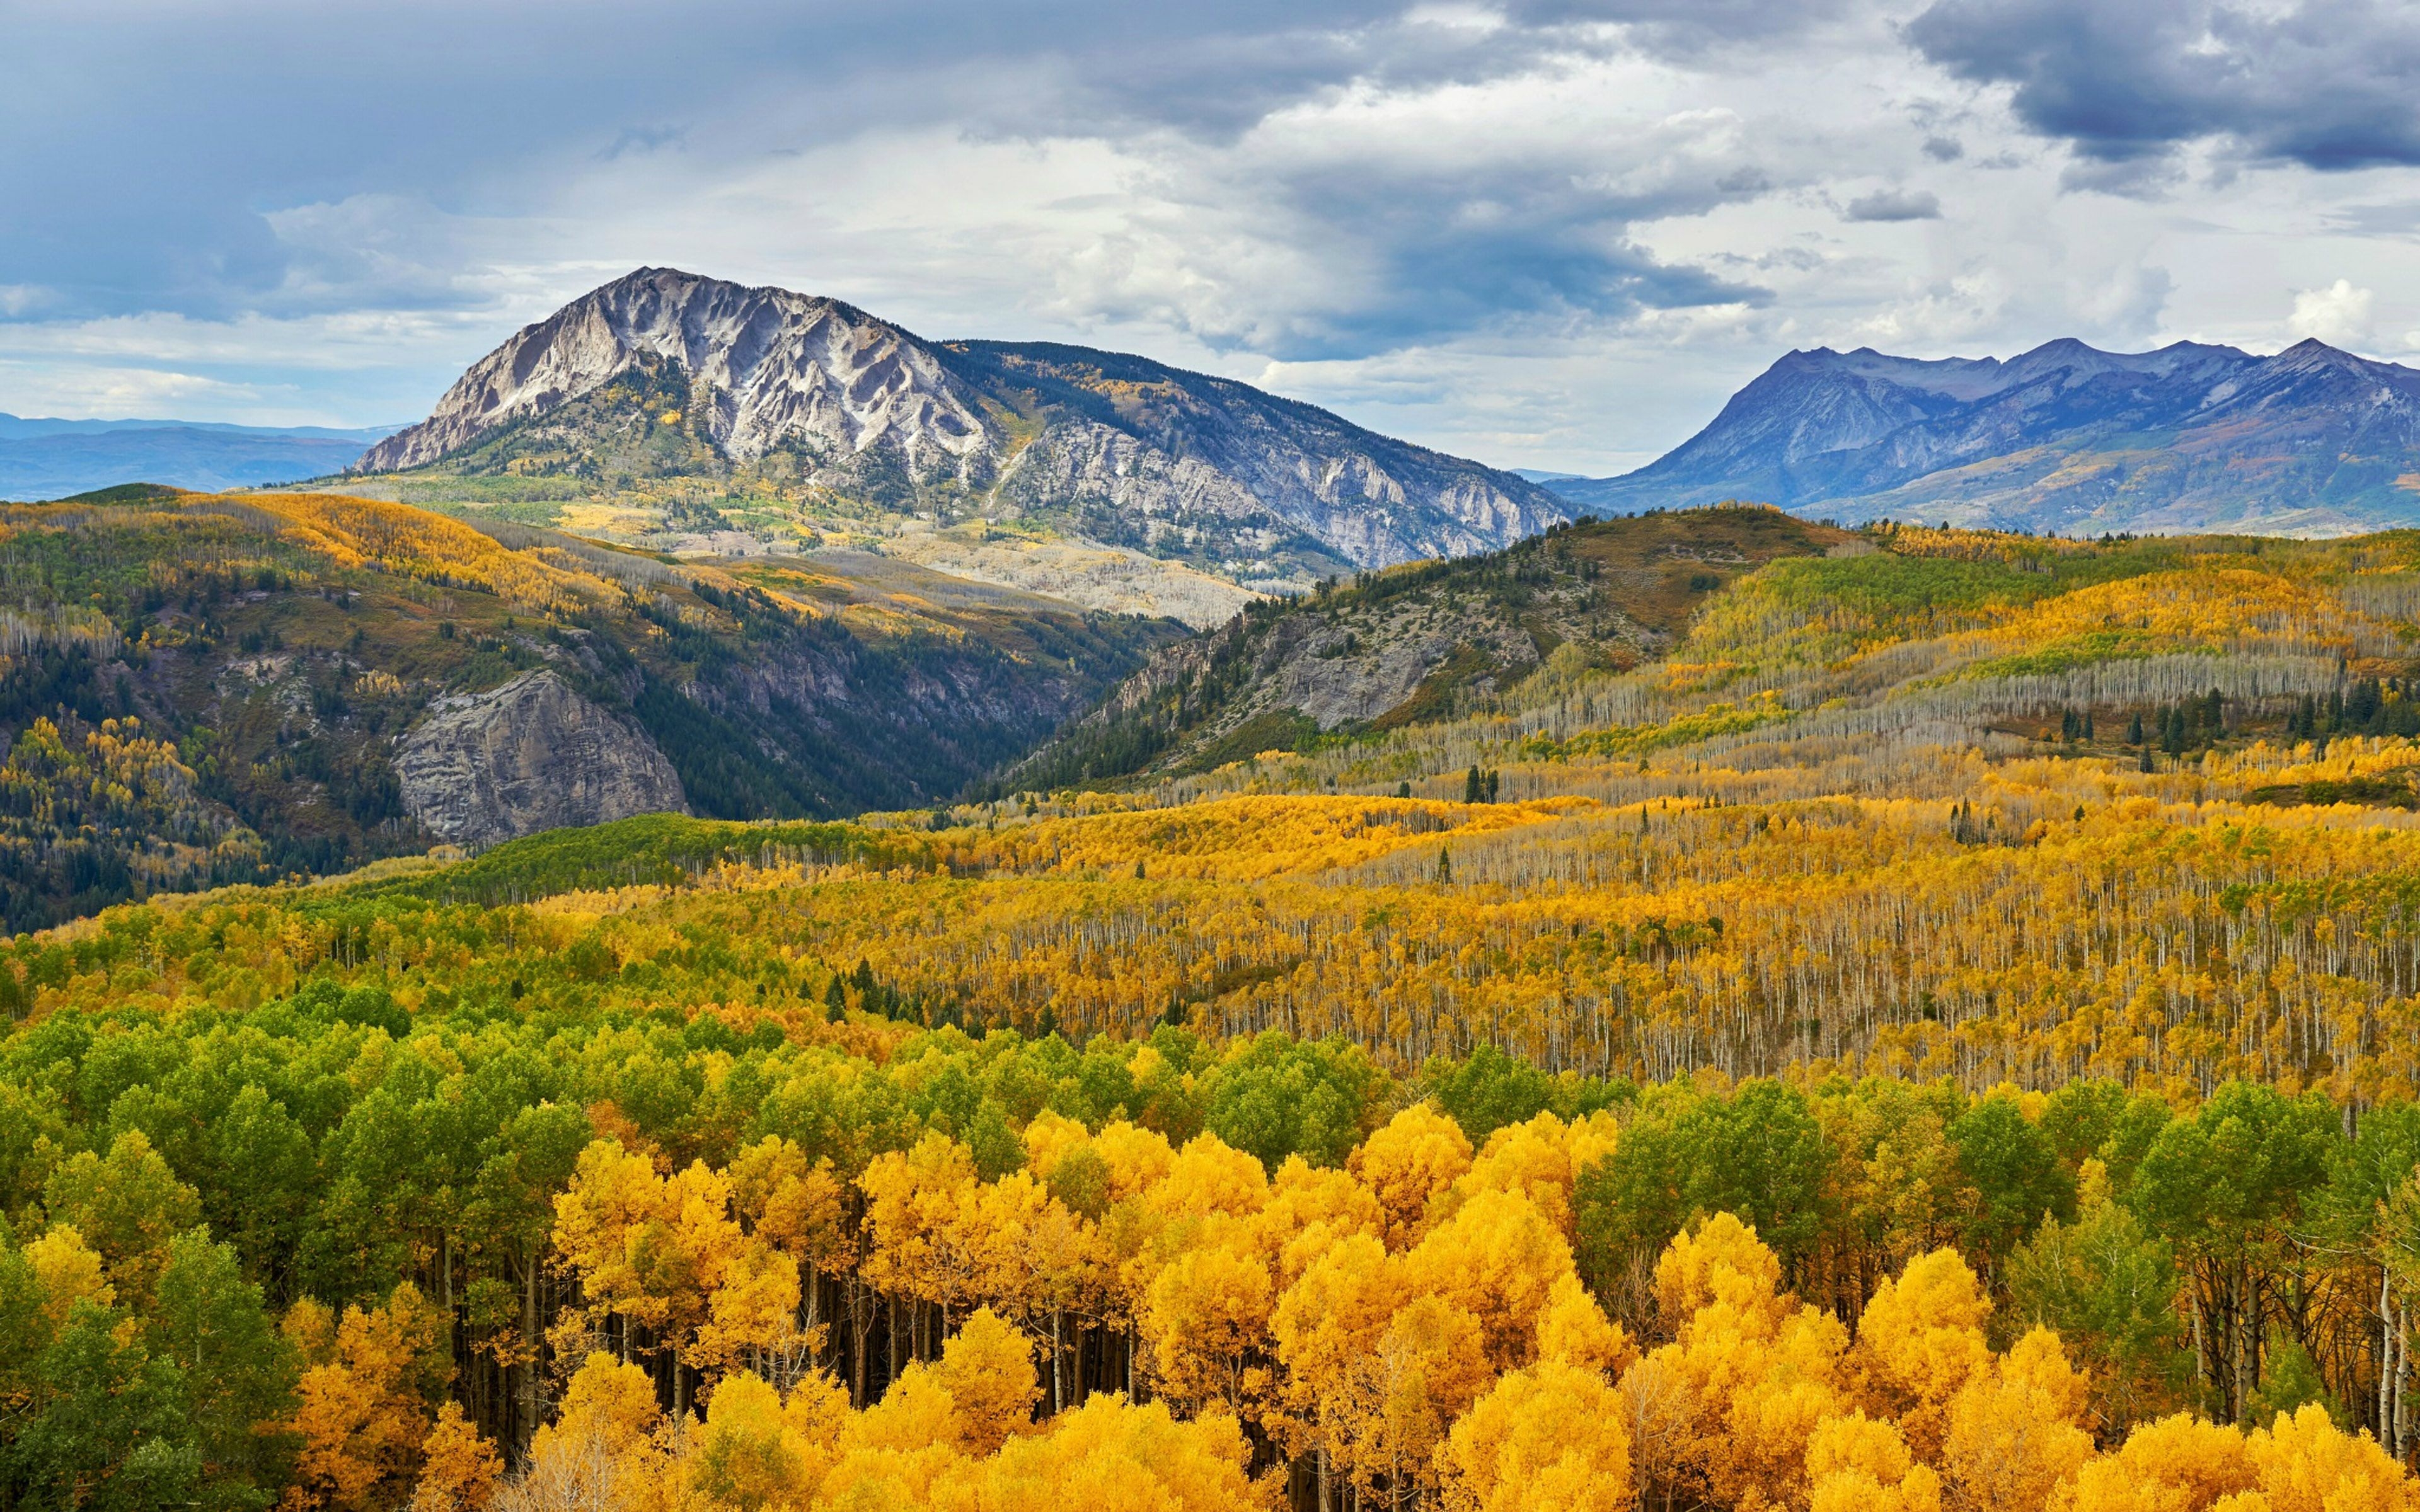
2064,438
1417,643
198,689
692,388
52,459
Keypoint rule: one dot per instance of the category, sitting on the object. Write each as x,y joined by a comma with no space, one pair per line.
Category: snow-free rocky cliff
1111,447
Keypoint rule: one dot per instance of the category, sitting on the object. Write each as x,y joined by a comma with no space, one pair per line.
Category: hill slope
695,391
1413,644
198,689
2065,438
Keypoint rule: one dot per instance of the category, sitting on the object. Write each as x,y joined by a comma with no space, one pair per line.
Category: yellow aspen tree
1206,1323
1547,1437
1752,1372
459,1467
1311,1210
2016,1429
1113,1456
69,1270
752,1319
926,1238
897,1451
1531,1159
1497,1258
1208,1176
2176,1464
2305,1463
1327,1328
987,1370
1406,1162
1429,1365
1920,1342
1576,1330
749,1453
1861,1464
362,1412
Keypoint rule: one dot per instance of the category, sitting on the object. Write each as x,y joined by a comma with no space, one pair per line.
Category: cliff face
666,376
481,768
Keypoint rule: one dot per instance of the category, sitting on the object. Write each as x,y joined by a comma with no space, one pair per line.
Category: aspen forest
1944,1037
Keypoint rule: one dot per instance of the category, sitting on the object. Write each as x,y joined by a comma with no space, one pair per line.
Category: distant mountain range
663,376
53,458
2065,437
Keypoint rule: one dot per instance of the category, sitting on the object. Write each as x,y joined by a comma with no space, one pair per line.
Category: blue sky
1548,233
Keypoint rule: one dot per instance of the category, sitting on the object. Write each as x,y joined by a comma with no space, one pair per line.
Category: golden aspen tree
1920,1342
69,1272
2305,1463
1310,1209
898,1450
459,1467
1861,1464
1406,1162
1111,1455
1753,1371
1574,1331
1328,1328
1139,1159
1206,1323
987,1370
2176,1464
926,1237
1206,1178
1531,1159
752,1318
609,1402
1547,1436
2016,1429
751,1453
1497,1258
362,1410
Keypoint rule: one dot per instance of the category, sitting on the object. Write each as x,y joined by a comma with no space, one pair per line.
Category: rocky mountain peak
766,365
1111,449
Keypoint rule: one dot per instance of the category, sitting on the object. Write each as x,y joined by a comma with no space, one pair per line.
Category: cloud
2331,85
1556,232
2339,315
1894,205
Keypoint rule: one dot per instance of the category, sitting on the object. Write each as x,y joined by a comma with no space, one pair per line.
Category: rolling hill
199,690
1416,644
2065,439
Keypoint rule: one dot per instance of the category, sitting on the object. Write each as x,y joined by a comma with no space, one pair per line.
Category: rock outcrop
481,768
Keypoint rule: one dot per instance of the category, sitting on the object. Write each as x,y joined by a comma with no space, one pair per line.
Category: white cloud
1484,226
2339,315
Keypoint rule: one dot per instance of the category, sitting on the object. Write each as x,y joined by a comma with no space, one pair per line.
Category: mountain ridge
761,390
2064,437
50,458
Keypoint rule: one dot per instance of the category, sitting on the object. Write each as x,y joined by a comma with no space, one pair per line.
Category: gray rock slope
2065,438
533,754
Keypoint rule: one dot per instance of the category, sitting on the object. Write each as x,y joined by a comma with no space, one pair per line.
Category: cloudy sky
1546,233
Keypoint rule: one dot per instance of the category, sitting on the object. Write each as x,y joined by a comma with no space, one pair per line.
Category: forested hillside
1416,644
1936,1030
198,690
